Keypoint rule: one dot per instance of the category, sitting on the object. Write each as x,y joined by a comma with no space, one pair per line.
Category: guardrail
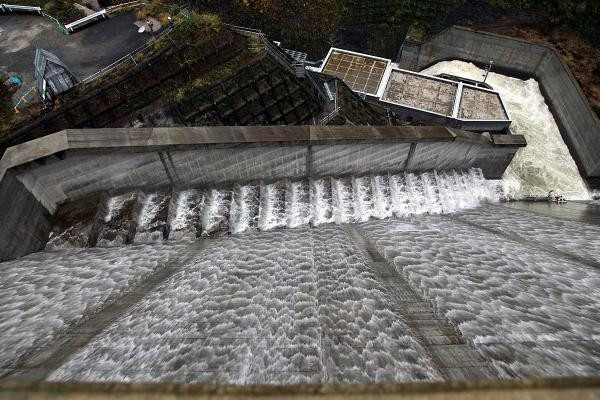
86,20
330,116
275,51
15,8
130,56
68,28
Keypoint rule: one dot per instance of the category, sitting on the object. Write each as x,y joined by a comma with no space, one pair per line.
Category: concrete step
449,354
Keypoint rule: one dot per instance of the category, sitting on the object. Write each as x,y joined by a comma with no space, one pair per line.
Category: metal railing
329,117
282,58
272,49
86,20
320,91
15,8
130,56
68,28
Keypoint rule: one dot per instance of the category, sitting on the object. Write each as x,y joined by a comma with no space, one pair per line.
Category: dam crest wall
73,164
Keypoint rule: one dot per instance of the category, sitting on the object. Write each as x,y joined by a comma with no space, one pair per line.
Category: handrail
10,7
71,27
320,92
329,117
128,56
123,5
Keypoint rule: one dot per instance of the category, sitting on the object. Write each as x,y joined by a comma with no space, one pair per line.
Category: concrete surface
572,211
25,222
546,389
85,51
218,155
421,92
578,124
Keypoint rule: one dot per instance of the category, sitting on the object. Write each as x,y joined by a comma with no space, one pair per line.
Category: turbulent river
545,164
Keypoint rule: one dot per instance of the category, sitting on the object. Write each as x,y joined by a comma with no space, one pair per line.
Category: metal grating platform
361,73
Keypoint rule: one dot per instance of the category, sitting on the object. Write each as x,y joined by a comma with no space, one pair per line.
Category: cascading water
244,209
545,163
152,225
184,214
190,213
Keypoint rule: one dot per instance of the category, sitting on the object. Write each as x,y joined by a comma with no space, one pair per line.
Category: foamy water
545,164
346,200
45,292
531,312
303,305
288,306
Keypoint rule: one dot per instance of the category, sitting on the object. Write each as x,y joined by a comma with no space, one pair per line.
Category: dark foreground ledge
547,389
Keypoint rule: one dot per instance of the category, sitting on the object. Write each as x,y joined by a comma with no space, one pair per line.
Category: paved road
85,52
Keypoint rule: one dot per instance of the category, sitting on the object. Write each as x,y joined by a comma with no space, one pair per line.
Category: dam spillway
74,165
138,217
399,265
425,297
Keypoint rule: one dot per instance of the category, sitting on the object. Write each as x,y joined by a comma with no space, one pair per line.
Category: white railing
86,20
15,8
330,116
75,24
130,56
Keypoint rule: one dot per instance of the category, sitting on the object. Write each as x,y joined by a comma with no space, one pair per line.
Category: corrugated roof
49,68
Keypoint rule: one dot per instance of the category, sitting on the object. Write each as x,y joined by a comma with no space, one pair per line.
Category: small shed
52,76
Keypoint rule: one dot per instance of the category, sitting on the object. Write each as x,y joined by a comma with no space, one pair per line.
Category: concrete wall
24,222
578,123
83,167
39,175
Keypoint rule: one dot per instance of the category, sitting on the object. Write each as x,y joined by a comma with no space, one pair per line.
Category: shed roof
49,68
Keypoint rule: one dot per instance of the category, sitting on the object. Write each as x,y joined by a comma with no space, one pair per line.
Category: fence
280,55
130,57
68,28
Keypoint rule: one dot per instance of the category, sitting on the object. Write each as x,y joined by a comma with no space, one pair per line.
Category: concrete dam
72,165
255,255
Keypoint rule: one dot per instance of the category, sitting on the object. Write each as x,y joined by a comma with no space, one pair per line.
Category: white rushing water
330,200
305,305
545,164
279,307
532,312
42,293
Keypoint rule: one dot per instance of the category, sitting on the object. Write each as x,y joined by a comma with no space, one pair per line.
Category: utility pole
487,70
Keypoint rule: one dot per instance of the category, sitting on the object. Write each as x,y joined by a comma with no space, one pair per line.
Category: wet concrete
453,358
586,212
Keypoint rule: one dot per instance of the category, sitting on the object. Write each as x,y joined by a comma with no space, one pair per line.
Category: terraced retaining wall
578,124
71,164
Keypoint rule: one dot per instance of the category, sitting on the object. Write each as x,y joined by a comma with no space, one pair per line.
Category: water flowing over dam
480,293
545,164
152,216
